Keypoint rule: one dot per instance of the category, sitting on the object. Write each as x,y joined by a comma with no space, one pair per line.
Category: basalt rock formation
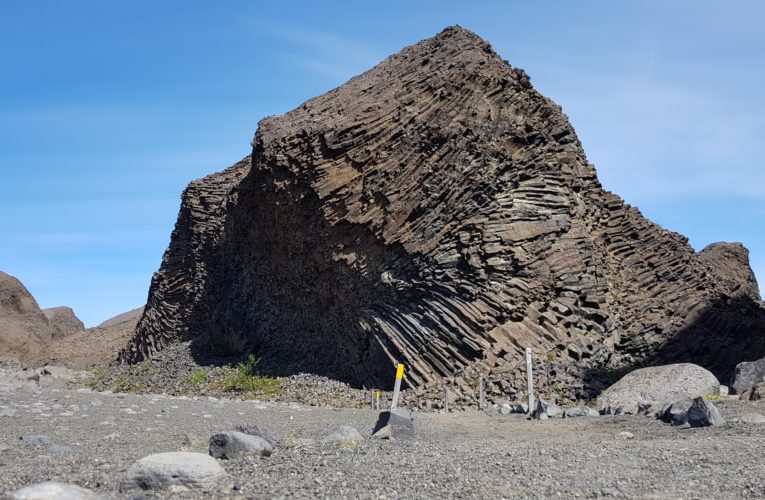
436,211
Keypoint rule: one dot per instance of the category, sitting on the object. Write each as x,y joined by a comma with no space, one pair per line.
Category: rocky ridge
438,211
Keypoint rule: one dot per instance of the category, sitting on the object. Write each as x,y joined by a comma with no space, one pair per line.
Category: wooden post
530,379
446,399
481,401
397,386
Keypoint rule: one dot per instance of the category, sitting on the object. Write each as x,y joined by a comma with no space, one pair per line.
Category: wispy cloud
322,53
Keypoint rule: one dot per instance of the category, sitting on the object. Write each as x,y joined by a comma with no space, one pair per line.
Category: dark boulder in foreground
437,211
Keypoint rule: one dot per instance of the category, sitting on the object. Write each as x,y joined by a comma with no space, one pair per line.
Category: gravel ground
465,454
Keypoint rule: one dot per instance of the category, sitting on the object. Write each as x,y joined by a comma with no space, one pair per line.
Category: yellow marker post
397,385
377,399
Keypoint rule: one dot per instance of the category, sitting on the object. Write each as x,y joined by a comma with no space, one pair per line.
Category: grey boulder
676,413
655,387
581,411
547,410
703,413
752,418
344,436
230,445
748,374
174,470
50,490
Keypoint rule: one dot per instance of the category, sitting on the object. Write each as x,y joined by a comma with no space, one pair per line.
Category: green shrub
196,378
244,380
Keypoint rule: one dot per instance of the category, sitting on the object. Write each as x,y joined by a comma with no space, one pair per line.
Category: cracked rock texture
438,211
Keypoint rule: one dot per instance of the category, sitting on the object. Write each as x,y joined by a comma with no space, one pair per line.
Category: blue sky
108,109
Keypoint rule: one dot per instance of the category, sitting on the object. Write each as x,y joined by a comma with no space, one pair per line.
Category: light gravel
467,454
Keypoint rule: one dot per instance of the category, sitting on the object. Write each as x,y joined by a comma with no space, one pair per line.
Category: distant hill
24,329
133,315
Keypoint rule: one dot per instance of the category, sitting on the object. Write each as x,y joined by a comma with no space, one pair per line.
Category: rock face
656,387
729,263
24,329
63,321
437,211
748,374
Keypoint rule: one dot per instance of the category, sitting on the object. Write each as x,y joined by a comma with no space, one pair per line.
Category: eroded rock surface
437,211
63,321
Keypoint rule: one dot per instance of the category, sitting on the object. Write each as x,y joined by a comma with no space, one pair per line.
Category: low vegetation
245,380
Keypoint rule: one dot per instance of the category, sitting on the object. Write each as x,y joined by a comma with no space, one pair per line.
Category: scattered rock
7,412
754,393
752,418
344,436
521,408
36,439
581,411
626,435
53,490
506,409
657,386
550,410
703,413
233,444
676,413
748,374
174,469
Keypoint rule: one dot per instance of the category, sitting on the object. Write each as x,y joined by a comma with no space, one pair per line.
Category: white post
377,399
481,401
531,380
446,399
397,386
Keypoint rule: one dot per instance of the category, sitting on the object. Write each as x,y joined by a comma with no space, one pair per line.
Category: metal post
481,401
446,399
397,386
377,399
531,380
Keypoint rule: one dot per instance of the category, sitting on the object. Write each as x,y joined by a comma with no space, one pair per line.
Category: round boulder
50,490
655,387
234,444
174,470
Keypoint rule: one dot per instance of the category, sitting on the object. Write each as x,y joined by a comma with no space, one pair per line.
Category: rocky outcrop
63,321
729,264
24,329
436,211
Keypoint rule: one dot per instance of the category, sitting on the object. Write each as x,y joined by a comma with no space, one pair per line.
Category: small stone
626,435
752,418
96,402
174,470
58,449
345,436
36,439
703,413
7,412
505,409
53,490
230,445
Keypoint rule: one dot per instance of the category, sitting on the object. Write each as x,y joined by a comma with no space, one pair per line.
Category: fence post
446,399
397,386
481,401
530,380
377,399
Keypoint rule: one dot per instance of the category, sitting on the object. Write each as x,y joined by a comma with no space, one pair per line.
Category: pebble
53,490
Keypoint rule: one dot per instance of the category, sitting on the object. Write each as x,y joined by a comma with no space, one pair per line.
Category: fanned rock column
437,211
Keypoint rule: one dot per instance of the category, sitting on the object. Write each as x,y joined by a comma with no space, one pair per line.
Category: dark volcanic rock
729,263
438,211
63,321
